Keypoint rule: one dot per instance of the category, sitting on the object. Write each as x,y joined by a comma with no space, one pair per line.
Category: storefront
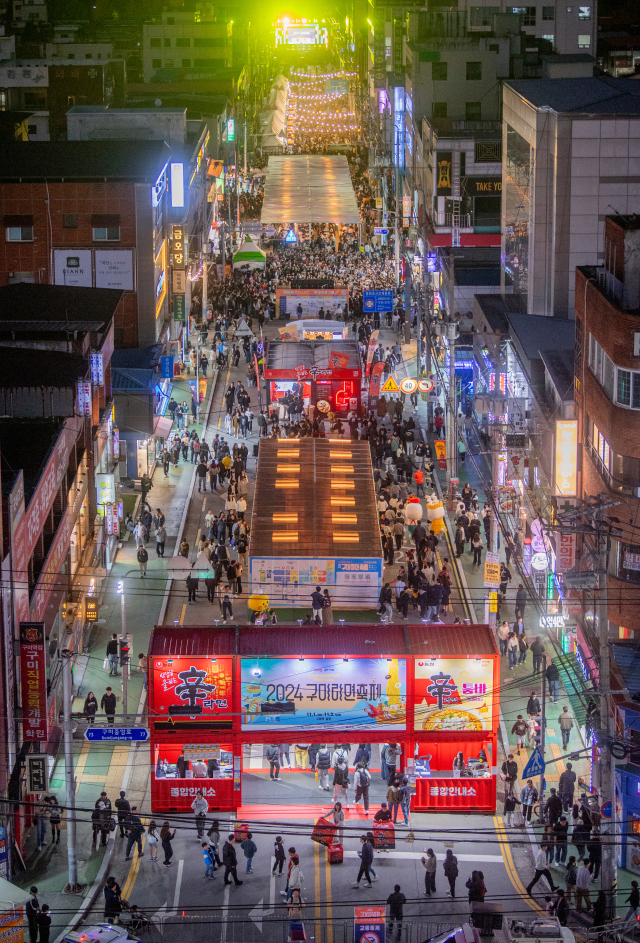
219,695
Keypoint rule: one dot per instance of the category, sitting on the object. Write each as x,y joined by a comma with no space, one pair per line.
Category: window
624,387
155,43
205,42
32,128
168,63
186,63
548,13
71,101
548,37
635,394
19,233
569,9
182,41
609,372
473,111
89,55
69,221
439,109
584,13
439,71
474,71
155,63
71,55
167,41
106,234
528,14
584,41
171,21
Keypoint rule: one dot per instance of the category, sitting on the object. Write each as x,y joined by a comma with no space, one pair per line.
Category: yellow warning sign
390,386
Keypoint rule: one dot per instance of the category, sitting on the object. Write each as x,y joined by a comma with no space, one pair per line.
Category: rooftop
56,308
26,444
34,368
315,498
597,96
560,366
287,355
69,161
533,330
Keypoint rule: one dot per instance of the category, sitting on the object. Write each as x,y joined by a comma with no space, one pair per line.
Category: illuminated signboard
177,238
566,456
177,184
33,676
289,693
453,694
231,129
192,687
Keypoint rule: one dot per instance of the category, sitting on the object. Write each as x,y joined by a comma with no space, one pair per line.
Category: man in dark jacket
553,679
33,909
521,600
230,861
123,807
201,474
537,651
317,601
533,705
44,924
383,814
566,787
366,860
396,902
510,772
108,705
273,755
112,654
135,830
434,598
553,807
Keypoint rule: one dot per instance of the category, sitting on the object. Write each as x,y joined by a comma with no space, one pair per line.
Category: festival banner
373,343
453,694
441,453
338,360
33,682
374,383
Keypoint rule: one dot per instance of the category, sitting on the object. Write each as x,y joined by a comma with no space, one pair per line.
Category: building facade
194,42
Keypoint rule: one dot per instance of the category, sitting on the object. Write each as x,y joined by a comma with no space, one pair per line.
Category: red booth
218,695
334,366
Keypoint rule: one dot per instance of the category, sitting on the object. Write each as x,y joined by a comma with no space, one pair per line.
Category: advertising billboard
290,580
114,269
311,299
33,682
566,456
453,694
192,687
290,694
73,267
302,35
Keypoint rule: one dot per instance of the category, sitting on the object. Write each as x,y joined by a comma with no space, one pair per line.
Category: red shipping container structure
433,689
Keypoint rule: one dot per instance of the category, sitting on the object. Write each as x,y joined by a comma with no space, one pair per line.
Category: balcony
479,224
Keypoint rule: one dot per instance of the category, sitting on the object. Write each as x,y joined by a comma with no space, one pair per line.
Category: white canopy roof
303,188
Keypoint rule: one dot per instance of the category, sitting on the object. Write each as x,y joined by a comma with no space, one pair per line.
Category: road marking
556,752
225,914
204,504
176,896
316,869
485,859
510,867
257,914
183,613
327,895
272,887
133,874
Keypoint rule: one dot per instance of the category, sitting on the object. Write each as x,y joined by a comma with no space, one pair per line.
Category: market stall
218,693
319,371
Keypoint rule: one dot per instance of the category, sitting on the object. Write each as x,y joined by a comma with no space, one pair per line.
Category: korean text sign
33,677
453,694
202,684
368,924
289,694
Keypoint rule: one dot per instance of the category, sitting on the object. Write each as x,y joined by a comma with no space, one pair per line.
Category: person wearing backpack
361,781
341,782
405,799
143,557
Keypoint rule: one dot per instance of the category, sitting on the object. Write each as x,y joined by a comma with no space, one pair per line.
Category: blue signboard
380,231
4,873
535,766
116,734
167,368
380,300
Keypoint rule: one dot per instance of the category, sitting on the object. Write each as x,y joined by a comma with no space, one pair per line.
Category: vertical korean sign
566,456
33,678
368,924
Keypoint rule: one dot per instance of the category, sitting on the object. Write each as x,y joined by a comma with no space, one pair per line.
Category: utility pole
543,730
609,872
396,228
72,887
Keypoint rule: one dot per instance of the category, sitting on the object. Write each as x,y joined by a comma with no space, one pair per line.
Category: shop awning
308,188
162,426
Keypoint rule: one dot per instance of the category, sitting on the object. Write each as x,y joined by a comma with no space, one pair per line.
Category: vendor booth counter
213,691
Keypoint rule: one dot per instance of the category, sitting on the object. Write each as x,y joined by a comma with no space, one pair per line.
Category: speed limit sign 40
425,386
408,385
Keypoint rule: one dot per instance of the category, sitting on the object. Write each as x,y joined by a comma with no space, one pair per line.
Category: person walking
520,730
570,874
513,649
583,887
366,860
200,808
391,758
509,774
209,860
553,680
341,781
553,807
633,900
430,864
166,837
521,601
153,840
324,764
41,818
450,866
55,817
123,808
566,787
249,848
396,902
294,879
541,870
565,720
273,756
108,705
362,781
537,652
112,654
502,633
477,546
338,820
142,557
230,861
528,796
393,800
134,830
509,809
32,910
279,856
90,708
161,536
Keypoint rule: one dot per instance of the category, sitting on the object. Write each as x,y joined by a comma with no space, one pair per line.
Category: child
278,850
509,809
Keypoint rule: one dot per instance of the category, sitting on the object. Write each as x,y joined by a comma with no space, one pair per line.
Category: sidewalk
107,767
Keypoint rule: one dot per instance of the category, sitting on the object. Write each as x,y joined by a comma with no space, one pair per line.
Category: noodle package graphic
453,694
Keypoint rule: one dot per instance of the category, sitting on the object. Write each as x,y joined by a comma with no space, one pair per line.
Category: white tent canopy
309,188
249,254
11,895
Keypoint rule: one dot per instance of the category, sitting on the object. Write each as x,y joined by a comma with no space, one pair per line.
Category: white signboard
73,267
114,269
105,489
517,414
84,399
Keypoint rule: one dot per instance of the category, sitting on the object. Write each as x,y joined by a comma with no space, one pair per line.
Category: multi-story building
29,11
194,43
607,396
570,153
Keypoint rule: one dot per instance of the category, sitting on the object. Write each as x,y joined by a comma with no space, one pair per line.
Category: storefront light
285,453
345,501
281,537
344,538
284,518
287,484
344,518
344,469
